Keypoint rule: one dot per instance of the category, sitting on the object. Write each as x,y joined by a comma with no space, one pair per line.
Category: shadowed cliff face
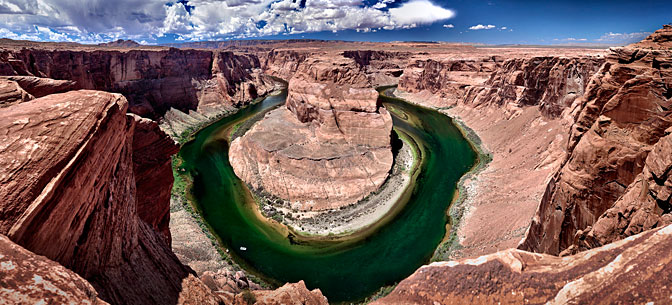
152,81
607,175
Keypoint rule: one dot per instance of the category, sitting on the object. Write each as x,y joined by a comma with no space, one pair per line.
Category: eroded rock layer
630,271
329,147
624,113
27,278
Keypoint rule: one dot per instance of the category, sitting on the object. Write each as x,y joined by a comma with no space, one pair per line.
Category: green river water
347,270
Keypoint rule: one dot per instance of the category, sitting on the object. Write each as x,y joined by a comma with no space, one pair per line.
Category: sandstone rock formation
329,147
40,86
69,193
11,93
519,105
295,293
27,278
630,271
552,82
381,67
624,113
152,80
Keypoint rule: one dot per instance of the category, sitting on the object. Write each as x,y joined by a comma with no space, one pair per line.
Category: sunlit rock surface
330,145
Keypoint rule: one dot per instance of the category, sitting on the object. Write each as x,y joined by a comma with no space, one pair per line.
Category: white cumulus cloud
448,26
105,20
419,12
482,27
624,38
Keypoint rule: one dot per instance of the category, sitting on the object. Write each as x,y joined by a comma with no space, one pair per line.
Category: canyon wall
550,82
608,188
520,106
152,80
330,146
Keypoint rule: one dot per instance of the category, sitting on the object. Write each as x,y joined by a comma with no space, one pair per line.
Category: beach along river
344,270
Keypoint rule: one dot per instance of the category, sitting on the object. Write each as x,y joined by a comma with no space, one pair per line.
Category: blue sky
489,21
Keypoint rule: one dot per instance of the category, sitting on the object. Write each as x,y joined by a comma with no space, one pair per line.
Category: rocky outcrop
329,147
152,80
552,83
295,293
40,86
11,93
624,113
69,193
27,278
630,271
644,205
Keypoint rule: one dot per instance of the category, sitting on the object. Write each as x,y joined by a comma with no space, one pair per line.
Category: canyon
574,171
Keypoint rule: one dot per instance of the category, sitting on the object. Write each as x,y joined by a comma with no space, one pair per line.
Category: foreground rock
624,113
630,271
328,148
27,278
69,193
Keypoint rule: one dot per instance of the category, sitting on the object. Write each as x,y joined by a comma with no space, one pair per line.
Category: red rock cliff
69,192
152,80
623,114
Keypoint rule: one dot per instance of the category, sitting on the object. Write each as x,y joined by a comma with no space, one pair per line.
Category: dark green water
343,271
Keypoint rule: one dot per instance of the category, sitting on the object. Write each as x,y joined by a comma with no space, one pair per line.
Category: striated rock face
11,93
660,39
448,79
550,82
283,63
644,205
329,147
153,81
152,150
624,113
630,271
68,192
27,278
40,86
381,67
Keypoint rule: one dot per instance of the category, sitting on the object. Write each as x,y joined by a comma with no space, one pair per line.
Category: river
344,271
